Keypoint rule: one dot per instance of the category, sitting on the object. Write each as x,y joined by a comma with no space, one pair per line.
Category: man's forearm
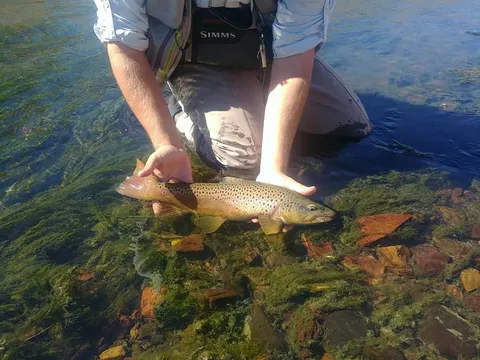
289,87
143,94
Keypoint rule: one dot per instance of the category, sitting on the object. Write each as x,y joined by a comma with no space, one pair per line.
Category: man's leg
221,116
332,107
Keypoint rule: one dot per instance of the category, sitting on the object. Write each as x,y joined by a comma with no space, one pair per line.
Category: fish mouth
323,218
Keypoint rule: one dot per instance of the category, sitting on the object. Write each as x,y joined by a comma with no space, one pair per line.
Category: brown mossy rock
376,227
455,291
260,331
429,261
367,264
451,216
388,353
456,249
218,295
472,301
342,327
191,243
395,258
475,231
448,333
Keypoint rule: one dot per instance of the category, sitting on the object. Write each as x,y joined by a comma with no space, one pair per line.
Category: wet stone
454,248
343,326
150,297
475,231
429,261
216,296
192,243
113,353
376,227
395,258
367,264
473,302
147,330
455,291
450,334
450,216
317,251
259,330
470,279
388,353
456,195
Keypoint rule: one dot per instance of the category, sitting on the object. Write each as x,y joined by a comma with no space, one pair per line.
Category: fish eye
312,207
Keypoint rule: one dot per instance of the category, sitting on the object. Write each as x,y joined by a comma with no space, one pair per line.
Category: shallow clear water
66,137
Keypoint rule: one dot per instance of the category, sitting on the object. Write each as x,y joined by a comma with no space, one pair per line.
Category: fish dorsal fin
207,223
168,211
269,225
139,166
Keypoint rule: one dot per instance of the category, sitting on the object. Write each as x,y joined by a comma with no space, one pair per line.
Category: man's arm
289,87
143,94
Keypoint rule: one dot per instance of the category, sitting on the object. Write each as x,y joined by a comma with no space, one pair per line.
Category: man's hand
170,164
285,181
280,179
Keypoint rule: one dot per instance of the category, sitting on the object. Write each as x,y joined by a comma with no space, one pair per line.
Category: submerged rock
343,326
259,330
367,264
149,298
316,251
215,296
473,302
455,291
376,227
475,231
388,353
429,261
192,243
450,216
114,353
470,279
395,258
450,334
456,249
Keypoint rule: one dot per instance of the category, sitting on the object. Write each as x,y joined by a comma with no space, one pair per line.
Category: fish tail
143,188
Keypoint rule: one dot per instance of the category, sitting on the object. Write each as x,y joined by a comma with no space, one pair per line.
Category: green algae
391,192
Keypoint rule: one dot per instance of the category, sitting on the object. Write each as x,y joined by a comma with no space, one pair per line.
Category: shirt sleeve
300,25
125,21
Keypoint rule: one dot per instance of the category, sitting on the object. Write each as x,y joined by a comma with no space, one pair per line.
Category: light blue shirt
299,25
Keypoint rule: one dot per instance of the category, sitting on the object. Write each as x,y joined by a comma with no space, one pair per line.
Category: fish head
302,210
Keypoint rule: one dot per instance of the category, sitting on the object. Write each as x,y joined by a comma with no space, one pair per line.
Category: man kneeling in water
242,77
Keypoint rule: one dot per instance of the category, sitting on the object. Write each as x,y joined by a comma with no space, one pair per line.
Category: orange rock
455,291
456,195
470,279
327,356
83,276
134,331
213,295
376,227
192,243
395,258
367,264
149,298
316,251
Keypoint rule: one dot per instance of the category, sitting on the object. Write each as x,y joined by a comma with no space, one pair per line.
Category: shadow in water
405,137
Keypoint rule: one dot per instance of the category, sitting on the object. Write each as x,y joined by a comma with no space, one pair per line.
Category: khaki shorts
221,112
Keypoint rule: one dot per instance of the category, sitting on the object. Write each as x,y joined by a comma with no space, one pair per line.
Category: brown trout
215,203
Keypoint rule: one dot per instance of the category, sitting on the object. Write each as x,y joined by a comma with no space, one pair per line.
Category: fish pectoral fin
269,225
208,223
168,211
